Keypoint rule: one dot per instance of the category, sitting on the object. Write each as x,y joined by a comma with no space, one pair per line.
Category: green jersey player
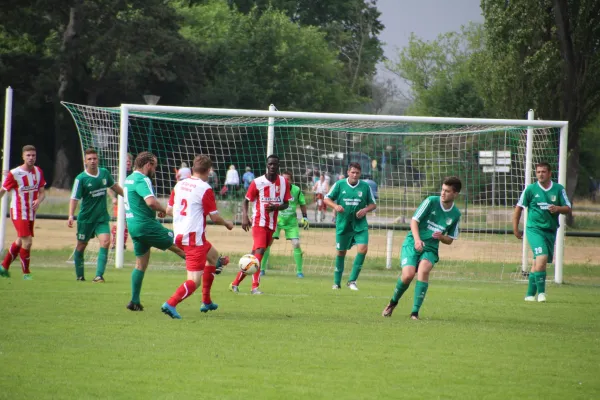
544,201
436,220
288,221
90,187
352,199
145,231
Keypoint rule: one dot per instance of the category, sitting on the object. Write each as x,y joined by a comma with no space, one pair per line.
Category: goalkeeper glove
304,223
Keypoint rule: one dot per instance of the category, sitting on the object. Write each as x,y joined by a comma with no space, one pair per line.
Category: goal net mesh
403,162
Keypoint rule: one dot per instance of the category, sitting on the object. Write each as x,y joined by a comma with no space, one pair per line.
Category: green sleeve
422,210
525,198
77,192
370,197
144,188
110,182
334,192
301,199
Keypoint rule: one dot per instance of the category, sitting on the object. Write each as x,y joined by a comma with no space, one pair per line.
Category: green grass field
63,339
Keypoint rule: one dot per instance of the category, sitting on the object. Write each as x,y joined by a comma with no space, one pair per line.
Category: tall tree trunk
65,145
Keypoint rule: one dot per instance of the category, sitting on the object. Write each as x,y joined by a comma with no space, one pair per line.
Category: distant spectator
213,179
248,177
232,181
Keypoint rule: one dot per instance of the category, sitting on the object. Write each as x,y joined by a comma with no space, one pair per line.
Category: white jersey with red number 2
192,200
25,187
262,192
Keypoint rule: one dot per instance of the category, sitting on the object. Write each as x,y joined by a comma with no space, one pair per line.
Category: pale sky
426,18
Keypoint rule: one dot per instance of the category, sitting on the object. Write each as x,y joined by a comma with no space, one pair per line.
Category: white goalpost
404,157
8,101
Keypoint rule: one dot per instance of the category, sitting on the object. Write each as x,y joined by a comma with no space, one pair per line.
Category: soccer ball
249,264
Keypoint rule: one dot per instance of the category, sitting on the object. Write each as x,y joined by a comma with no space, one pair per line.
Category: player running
544,200
436,220
146,232
92,221
269,193
352,199
26,182
288,221
191,202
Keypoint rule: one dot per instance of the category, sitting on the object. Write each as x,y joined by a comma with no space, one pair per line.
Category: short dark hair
273,156
28,147
454,182
143,158
544,164
90,150
287,172
202,164
354,165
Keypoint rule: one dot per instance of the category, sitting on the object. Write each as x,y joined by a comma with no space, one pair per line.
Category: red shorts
195,256
262,237
321,206
23,227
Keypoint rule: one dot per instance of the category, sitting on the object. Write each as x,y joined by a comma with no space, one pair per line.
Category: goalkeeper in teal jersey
145,231
288,221
352,199
544,201
436,220
90,187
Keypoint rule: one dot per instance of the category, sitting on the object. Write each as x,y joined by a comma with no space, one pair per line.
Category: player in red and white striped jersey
191,202
269,194
26,182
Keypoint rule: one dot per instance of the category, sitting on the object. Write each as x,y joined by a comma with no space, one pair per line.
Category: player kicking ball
191,202
269,193
146,232
436,220
90,187
288,221
544,200
352,199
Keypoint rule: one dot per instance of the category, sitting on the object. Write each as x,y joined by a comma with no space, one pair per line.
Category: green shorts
410,257
87,231
345,241
541,242
289,226
153,235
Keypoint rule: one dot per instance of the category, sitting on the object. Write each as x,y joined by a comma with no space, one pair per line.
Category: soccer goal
403,158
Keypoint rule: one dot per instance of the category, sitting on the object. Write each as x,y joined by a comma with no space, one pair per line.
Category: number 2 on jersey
184,205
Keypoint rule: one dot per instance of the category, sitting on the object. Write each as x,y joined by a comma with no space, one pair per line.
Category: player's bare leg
256,276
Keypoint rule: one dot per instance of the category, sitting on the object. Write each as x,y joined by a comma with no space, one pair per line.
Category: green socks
339,270
399,290
298,259
356,267
78,258
137,277
540,281
420,292
102,258
531,286
264,264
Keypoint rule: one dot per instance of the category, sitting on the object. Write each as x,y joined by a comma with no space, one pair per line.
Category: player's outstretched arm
218,220
117,189
414,228
515,222
245,220
72,207
153,204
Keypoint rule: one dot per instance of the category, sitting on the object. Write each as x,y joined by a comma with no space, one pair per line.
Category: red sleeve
10,183
252,192
288,194
171,202
42,180
209,205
